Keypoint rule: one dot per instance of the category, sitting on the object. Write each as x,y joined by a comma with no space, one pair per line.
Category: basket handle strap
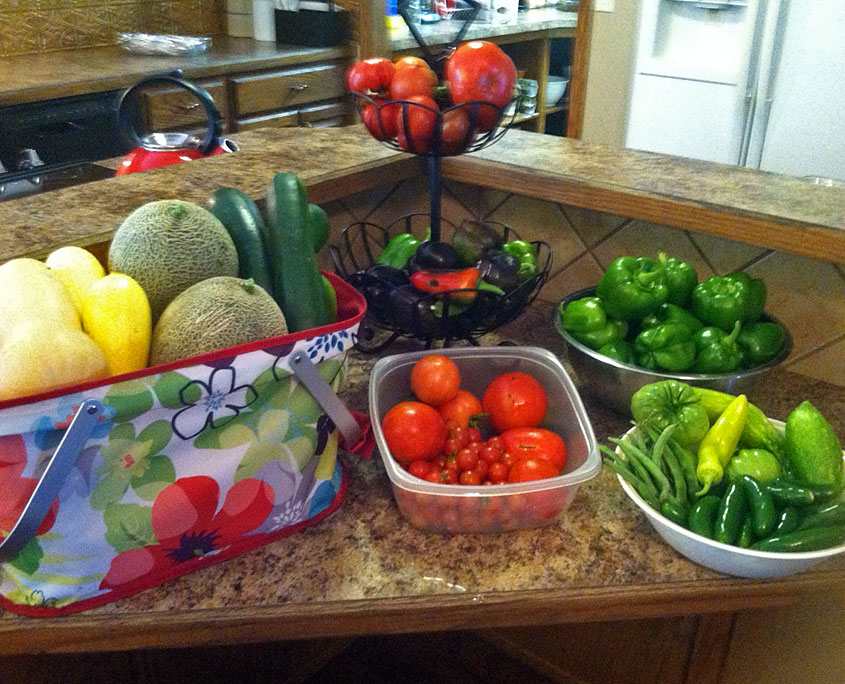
55,474
354,430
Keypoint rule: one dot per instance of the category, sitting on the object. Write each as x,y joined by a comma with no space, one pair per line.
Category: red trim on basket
351,307
248,543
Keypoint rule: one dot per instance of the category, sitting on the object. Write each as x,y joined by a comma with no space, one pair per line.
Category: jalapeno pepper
732,511
632,288
790,493
824,515
397,252
675,512
717,351
524,251
719,444
721,301
448,280
746,533
761,505
811,539
680,278
760,342
668,346
586,320
788,520
702,516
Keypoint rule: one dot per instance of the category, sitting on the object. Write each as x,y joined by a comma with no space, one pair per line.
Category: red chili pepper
450,280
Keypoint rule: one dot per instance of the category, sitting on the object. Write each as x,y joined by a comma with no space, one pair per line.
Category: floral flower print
220,401
15,489
188,526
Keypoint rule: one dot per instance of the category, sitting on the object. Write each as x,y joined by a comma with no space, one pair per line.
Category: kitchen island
365,570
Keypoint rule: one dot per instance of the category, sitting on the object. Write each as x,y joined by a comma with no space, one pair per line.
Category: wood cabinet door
286,88
170,108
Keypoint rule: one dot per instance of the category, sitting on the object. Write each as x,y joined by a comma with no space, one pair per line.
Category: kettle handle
127,99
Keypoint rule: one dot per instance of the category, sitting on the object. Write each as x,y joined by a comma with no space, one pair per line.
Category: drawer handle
189,107
299,87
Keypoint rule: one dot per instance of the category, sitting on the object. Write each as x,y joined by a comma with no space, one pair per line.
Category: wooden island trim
412,614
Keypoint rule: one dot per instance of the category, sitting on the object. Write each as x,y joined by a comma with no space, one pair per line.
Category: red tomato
410,61
460,408
420,468
435,379
514,400
412,79
480,70
531,468
416,122
380,119
374,74
497,472
413,431
453,135
537,442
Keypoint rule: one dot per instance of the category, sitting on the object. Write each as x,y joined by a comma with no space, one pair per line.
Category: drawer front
326,114
287,88
169,109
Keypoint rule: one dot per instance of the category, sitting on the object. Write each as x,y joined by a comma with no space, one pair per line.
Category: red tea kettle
162,149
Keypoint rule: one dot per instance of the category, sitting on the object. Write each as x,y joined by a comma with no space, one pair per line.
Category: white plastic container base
456,509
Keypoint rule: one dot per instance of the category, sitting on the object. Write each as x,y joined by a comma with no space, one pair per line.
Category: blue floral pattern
220,402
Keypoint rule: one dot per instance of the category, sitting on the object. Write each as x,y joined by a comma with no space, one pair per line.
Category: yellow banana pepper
718,445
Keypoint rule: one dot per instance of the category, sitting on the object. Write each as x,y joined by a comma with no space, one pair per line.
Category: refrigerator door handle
752,84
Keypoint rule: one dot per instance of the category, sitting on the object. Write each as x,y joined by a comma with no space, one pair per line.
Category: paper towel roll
263,20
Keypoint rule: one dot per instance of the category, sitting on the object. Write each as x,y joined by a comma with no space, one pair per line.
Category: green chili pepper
586,320
811,539
824,515
482,284
632,288
762,506
675,512
716,351
620,350
680,278
397,252
668,346
790,493
761,464
746,533
524,251
732,511
719,444
702,516
788,520
671,313
721,301
760,342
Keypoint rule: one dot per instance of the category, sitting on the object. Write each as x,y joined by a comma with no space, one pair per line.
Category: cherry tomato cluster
434,438
477,72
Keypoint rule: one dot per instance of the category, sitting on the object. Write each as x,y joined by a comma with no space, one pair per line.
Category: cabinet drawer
173,108
287,88
325,114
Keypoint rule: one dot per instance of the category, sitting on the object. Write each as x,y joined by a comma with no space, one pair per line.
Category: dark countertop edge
79,633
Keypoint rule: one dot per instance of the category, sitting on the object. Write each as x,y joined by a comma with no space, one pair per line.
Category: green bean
654,470
678,477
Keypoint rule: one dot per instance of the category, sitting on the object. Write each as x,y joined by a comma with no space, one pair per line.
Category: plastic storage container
489,508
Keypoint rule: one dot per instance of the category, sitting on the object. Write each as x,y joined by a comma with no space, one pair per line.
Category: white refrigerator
758,83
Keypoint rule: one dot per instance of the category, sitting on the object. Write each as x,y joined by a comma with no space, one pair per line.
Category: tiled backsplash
805,294
44,25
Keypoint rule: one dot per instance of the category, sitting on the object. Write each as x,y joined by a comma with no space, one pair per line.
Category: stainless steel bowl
614,382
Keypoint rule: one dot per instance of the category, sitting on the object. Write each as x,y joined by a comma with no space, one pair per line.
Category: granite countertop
33,77
543,19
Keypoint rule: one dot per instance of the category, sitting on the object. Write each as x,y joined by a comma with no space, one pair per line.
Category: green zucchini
239,214
299,288
319,226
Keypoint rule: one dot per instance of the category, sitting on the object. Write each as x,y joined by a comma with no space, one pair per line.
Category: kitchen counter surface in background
41,76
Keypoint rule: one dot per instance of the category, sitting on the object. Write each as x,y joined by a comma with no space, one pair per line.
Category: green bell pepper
760,342
672,313
397,252
668,346
586,320
524,251
721,301
680,278
619,350
717,351
759,463
632,288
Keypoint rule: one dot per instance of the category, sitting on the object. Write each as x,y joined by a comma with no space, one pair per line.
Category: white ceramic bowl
731,560
555,88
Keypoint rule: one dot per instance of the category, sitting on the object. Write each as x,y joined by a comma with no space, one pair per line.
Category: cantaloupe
169,245
213,314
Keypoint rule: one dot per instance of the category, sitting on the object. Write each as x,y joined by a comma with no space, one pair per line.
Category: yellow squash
116,314
77,269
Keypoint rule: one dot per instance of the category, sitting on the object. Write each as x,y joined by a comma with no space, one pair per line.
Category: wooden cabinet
172,108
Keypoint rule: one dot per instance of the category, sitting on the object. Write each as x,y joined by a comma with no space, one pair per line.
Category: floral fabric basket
112,487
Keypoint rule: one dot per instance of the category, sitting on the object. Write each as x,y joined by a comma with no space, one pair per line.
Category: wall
28,26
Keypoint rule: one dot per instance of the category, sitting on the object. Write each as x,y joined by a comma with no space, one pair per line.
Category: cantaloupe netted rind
168,245
213,314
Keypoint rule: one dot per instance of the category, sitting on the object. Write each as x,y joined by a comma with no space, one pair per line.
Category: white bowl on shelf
555,88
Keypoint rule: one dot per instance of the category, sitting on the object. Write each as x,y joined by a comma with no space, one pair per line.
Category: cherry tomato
537,442
416,122
490,454
514,400
497,472
460,408
380,119
435,379
531,468
469,477
413,431
454,137
434,476
412,79
374,74
419,468
466,459
480,70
